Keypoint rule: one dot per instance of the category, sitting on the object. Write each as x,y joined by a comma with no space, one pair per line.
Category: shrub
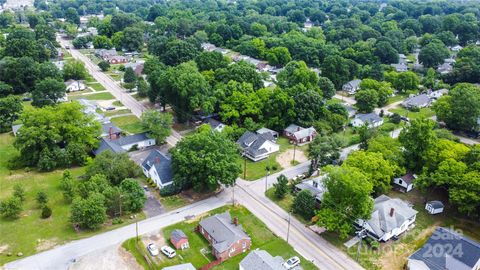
104,65
304,204
11,207
395,118
19,192
46,211
281,187
170,190
42,197
414,109
117,221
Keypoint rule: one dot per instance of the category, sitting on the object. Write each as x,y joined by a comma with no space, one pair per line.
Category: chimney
235,221
157,160
110,133
392,211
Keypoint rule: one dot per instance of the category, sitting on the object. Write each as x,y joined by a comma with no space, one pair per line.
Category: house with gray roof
185,266
446,250
390,218
110,131
445,68
158,167
401,67
214,124
225,235
316,187
267,130
352,87
257,146
124,144
299,135
370,119
261,260
418,101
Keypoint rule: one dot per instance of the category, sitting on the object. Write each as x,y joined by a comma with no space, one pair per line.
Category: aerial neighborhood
251,135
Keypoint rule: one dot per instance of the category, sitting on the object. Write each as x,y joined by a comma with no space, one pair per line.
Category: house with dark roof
267,130
214,124
299,135
418,101
257,146
370,119
446,250
124,144
179,239
352,87
137,67
316,187
390,218
261,260
110,131
158,167
225,235
405,183
434,207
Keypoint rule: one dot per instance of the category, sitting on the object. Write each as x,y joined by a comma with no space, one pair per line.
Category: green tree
11,207
324,150
129,76
297,72
89,213
384,89
115,167
390,148
433,54
74,69
240,72
42,197
465,194
281,187
327,87
67,186
134,198
304,204
102,42
205,160
367,100
104,65
242,102
132,39
211,61
10,109
386,53
278,56
417,139
403,81
48,92
19,191
158,125
71,16
46,211
346,200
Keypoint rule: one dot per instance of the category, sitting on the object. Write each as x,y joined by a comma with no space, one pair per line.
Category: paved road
349,100
61,257
112,86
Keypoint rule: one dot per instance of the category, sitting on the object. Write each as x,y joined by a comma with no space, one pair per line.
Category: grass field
96,86
423,113
29,233
129,123
262,238
96,96
116,112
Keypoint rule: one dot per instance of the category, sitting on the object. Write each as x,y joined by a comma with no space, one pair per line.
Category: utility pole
288,229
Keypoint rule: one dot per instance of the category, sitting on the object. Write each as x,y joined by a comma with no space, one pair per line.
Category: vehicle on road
299,177
152,248
292,262
145,188
168,251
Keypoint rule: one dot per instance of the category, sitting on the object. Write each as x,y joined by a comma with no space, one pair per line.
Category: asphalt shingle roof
369,117
177,235
162,163
261,260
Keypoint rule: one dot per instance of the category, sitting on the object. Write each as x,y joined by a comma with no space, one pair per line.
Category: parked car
292,262
168,251
299,177
111,108
152,248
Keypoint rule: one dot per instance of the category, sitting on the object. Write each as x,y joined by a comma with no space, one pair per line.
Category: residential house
124,144
59,64
307,24
350,109
110,131
215,125
257,146
405,183
136,66
446,250
370,119
352,87
74,86
15,129
264,130
437,94
316,187
456,48
158,167
445,68
299,135
225,235
185,266
104,54
209,47
261,260
402,58
90,108
117,59
434,207
418,101
179,239
401,67
390,218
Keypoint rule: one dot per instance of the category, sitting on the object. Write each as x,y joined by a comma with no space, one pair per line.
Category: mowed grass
96,86
29,233
117,112
98,96
261,236
129,123
423,113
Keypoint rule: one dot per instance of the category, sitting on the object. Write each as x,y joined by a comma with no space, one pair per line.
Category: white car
168,251
292,262
153,249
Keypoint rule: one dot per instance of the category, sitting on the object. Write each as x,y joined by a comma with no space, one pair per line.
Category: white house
215,125
390,218
352,86
456,48
257,146
438,93
73,86
405,182
371,119
434,207
158,167
401,67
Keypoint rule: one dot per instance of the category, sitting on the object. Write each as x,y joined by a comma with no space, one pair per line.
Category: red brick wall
227,254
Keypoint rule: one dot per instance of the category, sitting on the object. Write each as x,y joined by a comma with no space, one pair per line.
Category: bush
375,245
395,118
117,221
11,207
104,65
19,192
46,211
304,204
274,167
42,197
387,127
170,190
414,109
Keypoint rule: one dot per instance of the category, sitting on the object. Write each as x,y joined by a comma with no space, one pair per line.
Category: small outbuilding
179,239
405,183
434,207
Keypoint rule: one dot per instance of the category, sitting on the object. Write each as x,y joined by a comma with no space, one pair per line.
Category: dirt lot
112,258
285,158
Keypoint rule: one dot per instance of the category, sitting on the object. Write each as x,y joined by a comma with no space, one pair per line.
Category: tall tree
10,109
418,139
89,213
158,125
74,69
48,92
324,150
115,167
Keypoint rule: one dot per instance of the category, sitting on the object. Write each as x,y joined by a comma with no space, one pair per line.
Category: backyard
199,252
37,234
129,123
422,113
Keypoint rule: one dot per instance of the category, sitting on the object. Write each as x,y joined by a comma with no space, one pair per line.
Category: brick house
299,135
179,239
225,235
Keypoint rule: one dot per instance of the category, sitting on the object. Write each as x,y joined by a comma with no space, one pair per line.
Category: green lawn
348,137
117,103
129,123
116,112
423,113
262,238
135,96
96,86
29,233
285,203
396,98
173,202
96,96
